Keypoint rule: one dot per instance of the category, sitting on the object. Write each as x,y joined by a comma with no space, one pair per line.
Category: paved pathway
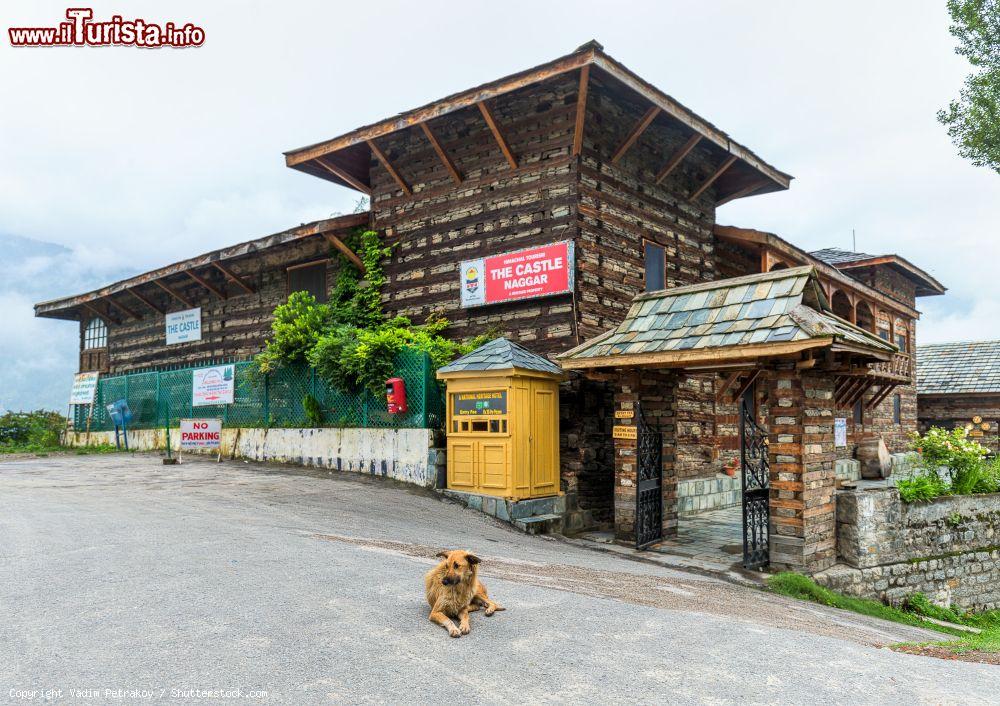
121,573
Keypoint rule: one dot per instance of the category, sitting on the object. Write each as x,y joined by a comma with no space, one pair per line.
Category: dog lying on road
454,591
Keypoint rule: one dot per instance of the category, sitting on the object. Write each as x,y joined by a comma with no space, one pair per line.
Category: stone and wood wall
960,410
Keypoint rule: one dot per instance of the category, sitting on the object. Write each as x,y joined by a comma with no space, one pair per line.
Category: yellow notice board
480,403
624,432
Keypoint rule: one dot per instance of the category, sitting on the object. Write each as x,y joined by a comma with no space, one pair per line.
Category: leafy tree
973,120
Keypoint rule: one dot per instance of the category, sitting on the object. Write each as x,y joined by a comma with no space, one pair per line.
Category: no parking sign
201,434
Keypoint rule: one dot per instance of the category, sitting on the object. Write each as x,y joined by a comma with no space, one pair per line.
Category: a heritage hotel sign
475,404
183,326
523,274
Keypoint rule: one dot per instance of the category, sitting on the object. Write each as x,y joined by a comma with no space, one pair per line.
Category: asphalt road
125,575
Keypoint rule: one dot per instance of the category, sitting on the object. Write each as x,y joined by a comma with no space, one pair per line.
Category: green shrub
296,326
313,411
30,431
921,487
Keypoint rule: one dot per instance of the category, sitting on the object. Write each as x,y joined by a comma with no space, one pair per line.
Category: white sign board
213,386
183,326
840,432
84,388
201,434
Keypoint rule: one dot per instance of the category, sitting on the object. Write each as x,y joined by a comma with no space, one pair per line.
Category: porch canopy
729,323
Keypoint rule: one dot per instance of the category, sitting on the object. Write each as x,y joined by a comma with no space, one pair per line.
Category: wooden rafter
442,155
678,157
347,252
144,299
176,295
640,127
122,308
711,180
866,384
389,168
206,284
880,396
581,110
234,277
497,135
343,174
97,312
745,191
847,389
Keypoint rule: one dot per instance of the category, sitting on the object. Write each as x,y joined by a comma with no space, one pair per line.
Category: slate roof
501,354
836,256
969,366
771,307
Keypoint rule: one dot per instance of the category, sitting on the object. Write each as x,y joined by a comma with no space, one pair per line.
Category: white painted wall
407,455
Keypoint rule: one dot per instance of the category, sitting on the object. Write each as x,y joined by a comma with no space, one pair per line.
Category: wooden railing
900,367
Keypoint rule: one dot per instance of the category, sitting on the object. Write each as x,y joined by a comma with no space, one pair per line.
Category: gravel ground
122,573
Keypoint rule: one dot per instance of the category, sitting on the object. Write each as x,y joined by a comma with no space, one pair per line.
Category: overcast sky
135,158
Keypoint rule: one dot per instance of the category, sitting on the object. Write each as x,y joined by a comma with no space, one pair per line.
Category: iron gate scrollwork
756,470
648,483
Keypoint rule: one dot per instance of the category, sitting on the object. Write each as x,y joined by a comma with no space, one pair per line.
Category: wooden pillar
800,422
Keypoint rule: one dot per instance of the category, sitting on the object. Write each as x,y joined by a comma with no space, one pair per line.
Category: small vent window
308,278
656,264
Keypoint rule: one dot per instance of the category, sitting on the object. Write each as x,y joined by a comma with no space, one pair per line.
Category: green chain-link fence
162,397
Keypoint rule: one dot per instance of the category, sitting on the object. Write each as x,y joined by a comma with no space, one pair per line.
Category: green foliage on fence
275,399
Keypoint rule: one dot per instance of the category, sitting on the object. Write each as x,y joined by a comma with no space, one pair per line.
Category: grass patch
804,588
988,641
44,449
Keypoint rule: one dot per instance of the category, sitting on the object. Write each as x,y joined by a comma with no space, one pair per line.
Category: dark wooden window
859,413
901,342
656,266
310,278
94,346
897,409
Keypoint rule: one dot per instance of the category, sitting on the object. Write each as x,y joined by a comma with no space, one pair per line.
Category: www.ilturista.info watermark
82,30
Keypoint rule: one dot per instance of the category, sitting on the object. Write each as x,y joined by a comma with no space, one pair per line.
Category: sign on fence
201,434
524,274
183,326
212,386
84,387
840,432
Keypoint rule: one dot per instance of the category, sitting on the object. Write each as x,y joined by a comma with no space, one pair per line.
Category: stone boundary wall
407,455
948,549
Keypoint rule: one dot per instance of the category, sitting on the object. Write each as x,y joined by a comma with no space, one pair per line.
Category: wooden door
462,464
544,439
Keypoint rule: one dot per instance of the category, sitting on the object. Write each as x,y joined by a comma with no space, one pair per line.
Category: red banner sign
523,274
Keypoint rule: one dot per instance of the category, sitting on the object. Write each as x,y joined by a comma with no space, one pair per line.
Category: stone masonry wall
948,549
950,411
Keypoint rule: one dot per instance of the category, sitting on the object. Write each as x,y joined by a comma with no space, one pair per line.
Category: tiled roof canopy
835,256
754,314
971,366
501,354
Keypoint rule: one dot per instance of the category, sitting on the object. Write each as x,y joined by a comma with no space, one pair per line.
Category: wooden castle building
707,334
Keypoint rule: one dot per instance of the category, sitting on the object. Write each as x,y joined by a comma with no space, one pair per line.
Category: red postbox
395,395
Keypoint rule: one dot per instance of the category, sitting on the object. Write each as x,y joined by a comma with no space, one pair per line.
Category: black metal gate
756,467
648,483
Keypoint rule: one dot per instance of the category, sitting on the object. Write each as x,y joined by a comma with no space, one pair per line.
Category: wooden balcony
899,369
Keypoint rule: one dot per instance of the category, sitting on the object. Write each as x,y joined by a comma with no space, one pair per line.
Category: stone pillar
803,522
656,391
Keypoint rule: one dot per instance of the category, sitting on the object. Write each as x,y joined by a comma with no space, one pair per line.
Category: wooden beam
726,384
144,300
122,308
497,135
711,180
745,191
176,295
389,168
640,127
866,384
806,364
234,277
678,157
100,314
346,251
442,155
880,396
745,385
343,174
206,284
581,110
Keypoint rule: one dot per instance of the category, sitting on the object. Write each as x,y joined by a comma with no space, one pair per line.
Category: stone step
539,524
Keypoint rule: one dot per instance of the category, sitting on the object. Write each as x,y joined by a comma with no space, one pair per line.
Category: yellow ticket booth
503,422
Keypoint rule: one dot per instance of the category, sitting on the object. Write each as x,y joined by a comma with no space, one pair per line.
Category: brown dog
454,591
